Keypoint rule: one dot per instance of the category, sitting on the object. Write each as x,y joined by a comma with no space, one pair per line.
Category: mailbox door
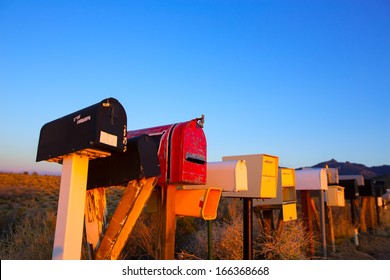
287,177
187,154
289,211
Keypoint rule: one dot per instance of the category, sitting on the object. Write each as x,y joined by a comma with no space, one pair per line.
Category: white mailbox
230,176
311,179
335,196
262,176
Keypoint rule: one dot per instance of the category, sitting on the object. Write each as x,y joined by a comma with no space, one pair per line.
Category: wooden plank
307,215
371,205
166,222
363,226
315,214
330,229
126,214
95,217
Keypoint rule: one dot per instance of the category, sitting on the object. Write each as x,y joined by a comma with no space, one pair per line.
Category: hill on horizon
349,168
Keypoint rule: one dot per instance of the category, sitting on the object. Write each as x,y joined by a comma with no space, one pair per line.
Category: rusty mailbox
96,130
182,151
286,195
262,176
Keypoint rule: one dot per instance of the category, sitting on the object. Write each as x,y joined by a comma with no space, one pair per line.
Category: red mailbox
181,151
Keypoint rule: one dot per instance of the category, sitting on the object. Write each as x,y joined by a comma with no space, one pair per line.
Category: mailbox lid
311,179
100,127
289,211
262,176
188,150
182,151
140,160
286,177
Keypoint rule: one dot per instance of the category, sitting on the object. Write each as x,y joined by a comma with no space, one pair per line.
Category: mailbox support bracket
126,214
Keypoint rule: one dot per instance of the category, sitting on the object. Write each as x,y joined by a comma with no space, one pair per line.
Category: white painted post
71,204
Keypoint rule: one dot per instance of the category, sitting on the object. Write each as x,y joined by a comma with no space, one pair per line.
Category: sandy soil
372,246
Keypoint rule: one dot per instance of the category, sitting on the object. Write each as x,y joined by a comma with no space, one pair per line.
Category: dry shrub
227,235
31,239
140,244
291,244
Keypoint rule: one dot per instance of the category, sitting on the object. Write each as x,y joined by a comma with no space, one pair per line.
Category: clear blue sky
303,80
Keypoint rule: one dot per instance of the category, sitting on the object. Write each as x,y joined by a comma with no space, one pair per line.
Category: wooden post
329,228
126,214
166,224
363,226
307,216
95,217
371,205
248,229
70,214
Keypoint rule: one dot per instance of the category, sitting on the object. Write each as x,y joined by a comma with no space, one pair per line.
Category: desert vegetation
28,215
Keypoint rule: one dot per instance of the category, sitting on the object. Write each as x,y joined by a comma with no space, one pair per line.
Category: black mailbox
351,188
96,130
380,187
368,189
140,160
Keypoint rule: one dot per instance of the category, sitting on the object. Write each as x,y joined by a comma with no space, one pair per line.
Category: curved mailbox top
182,151
311,179
98,129
230,176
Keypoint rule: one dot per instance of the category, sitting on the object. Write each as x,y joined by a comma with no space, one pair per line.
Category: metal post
248,227
322,224
210,239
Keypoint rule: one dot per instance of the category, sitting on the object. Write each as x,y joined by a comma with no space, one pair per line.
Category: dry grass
28,205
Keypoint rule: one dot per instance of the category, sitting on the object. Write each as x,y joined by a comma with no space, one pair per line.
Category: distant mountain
349,168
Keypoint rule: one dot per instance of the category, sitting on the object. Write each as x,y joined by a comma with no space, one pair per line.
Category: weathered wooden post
309,179
229,176
182,156
137,169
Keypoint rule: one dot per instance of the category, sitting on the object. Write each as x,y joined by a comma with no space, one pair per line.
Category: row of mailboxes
285,195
